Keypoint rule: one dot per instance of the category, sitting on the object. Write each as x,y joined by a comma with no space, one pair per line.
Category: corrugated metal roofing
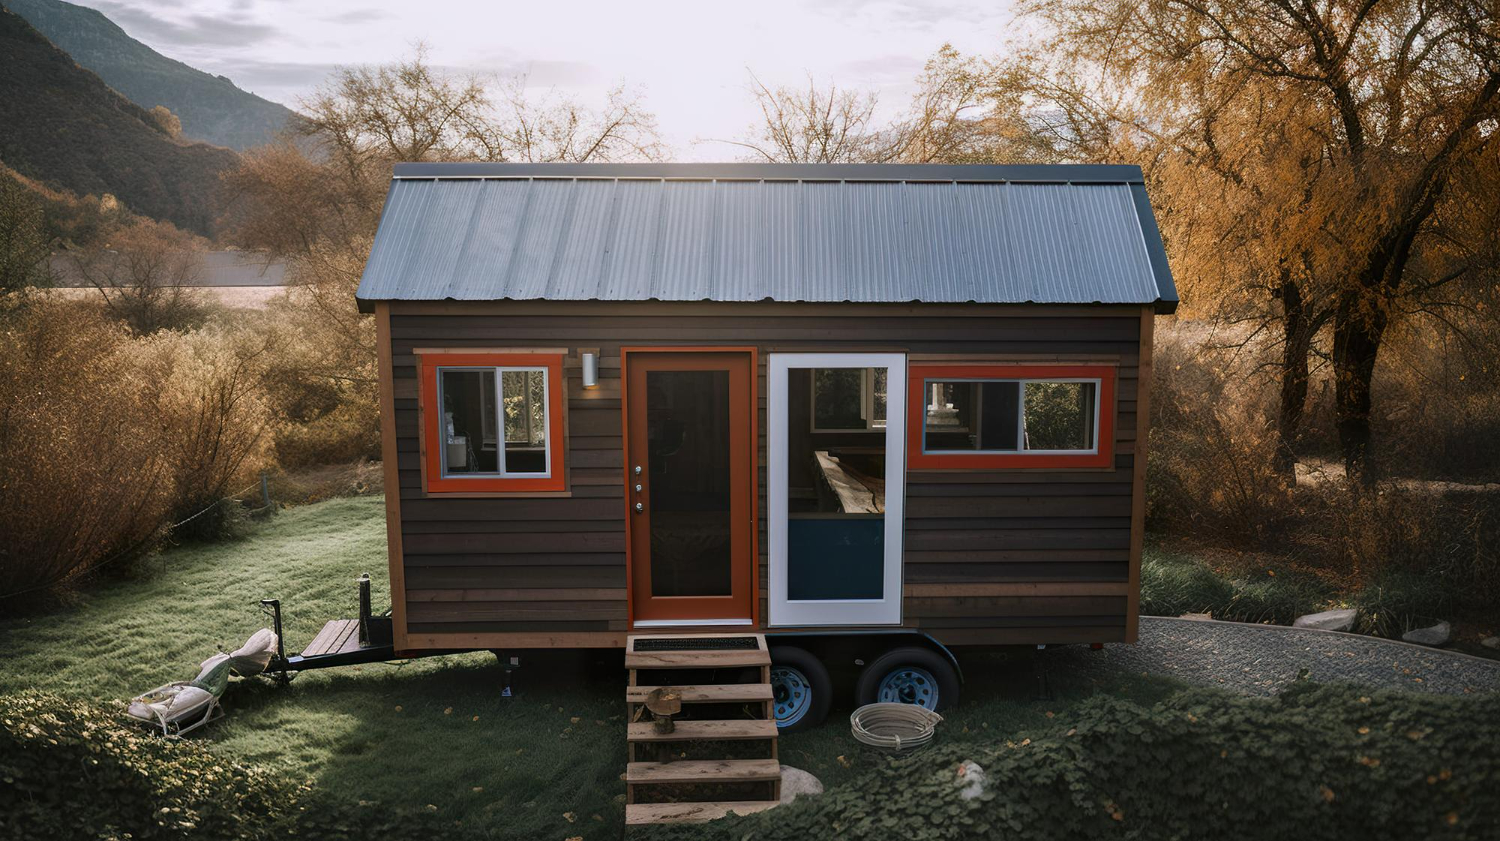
745,232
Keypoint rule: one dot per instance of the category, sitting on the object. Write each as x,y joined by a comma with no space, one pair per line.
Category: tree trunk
1358,330
1297,332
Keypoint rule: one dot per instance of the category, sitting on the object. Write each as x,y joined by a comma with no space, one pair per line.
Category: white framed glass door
836,487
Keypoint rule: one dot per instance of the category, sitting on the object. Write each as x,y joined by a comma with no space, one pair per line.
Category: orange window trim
919,375
432,423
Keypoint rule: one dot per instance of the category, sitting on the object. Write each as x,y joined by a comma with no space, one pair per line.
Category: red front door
690,485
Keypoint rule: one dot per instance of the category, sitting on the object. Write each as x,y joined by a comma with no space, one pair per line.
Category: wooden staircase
660,785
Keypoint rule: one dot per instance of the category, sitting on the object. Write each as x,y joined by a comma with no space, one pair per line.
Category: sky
689,61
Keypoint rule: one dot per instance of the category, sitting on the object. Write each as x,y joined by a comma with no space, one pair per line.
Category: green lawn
427,733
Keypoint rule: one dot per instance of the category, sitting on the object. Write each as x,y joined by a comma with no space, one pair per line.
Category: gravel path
1264,659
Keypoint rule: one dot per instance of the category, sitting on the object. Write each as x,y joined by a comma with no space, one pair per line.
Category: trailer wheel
909,675
801,690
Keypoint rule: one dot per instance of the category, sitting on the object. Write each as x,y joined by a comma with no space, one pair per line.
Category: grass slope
432,732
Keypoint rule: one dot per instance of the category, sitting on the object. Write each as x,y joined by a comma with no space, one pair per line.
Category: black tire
944,676
816,683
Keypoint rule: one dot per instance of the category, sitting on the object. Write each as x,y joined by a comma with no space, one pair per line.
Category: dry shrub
216,418
1210,471
323,384
1403,532
105,438
83,474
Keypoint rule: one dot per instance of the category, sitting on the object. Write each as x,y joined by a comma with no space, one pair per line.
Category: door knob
637,470
638,487
639,508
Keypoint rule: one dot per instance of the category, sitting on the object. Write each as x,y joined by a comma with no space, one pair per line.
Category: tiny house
873,412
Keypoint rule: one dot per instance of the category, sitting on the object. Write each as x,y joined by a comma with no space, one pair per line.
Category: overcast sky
690,60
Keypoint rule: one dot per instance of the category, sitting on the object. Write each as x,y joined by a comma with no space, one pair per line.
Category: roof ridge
977,173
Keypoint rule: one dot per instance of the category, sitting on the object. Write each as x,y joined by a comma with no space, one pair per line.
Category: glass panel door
836,470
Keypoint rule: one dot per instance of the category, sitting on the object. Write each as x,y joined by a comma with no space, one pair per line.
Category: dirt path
1264,659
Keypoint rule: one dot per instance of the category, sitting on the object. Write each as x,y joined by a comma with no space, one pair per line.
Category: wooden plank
695,659
1015,588
709,730
333,635
703,771
390,473
641,814
853,497
1138,509
718,693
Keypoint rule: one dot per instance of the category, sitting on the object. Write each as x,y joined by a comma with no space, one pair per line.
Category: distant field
233,297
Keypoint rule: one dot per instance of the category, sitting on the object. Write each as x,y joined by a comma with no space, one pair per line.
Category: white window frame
866,403
886,610
1021,449
498,420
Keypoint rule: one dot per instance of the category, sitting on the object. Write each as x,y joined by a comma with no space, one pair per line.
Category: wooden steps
637,814
645,731
659,788
718,693
704,771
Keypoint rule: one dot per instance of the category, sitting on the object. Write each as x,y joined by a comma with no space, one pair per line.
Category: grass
427,733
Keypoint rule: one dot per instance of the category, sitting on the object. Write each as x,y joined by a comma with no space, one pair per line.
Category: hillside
62,126
211,108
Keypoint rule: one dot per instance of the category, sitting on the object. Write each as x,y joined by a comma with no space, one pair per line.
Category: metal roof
780,232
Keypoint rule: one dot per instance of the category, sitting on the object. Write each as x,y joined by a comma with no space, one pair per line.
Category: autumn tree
146,274
314,199
1384,101
964,110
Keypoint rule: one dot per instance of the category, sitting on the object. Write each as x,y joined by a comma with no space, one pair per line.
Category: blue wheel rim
791,695
908,685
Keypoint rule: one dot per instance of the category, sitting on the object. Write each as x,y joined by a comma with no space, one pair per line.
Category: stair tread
637,814
703,771
708,693
715,659
645,731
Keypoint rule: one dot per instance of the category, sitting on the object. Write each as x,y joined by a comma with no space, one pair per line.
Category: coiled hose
894,727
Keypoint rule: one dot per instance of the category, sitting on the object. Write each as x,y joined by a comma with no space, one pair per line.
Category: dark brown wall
975,540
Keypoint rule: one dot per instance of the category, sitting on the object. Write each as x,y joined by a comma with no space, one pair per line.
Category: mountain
211,108
62,126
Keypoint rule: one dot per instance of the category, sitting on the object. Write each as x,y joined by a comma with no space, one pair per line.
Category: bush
83,474
104,438
77,770
74,770
1210,471
1317,762
1172,586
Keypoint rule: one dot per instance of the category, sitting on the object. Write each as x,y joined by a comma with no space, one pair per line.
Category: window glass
1008,416
836,487
971,416
1060,416
525,420
848,398
468,423
838,398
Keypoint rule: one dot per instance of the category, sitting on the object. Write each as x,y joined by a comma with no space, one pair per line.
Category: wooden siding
991,556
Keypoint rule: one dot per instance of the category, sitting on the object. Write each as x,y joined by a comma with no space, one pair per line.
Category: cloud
884,69
355,16
190,30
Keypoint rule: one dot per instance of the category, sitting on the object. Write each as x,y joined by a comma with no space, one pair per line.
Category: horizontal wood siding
991,556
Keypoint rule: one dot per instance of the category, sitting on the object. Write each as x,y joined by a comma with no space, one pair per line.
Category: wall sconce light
590,370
